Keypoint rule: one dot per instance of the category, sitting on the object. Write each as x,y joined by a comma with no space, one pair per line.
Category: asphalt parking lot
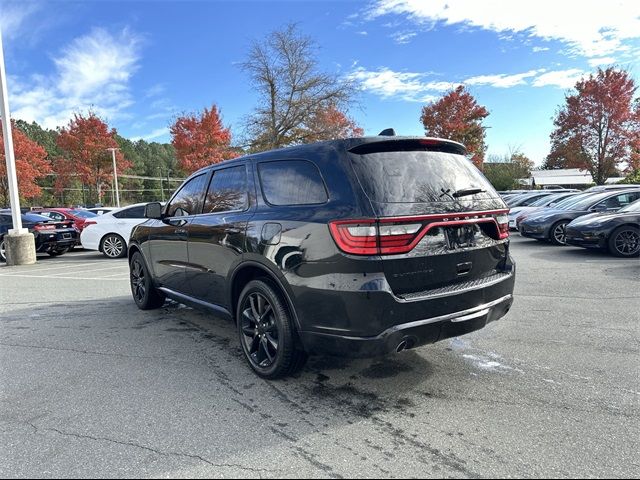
91,387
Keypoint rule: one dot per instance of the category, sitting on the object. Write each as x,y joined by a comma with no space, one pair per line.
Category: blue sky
140,63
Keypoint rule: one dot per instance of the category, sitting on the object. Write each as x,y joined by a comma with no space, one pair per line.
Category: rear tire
58,252
113,246
625,242
146,296
3,250
558,233
267,332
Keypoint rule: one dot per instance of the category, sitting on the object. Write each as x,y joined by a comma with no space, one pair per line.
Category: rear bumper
409,335
370,320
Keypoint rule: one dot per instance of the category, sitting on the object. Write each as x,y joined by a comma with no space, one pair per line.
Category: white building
566,177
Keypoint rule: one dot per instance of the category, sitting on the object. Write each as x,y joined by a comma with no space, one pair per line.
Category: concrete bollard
20,248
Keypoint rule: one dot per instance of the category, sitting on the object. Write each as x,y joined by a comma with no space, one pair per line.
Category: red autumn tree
598,128
201,140
85,142
457,116
31,165
329,123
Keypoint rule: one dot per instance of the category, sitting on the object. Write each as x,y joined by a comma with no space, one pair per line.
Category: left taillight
88,222
44,226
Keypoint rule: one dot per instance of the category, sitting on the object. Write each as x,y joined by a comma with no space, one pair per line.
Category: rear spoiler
410,145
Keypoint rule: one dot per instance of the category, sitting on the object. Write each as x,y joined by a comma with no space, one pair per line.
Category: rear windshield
83,213
32,217
419,177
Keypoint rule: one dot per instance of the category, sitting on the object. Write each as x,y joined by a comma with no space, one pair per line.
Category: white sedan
109,233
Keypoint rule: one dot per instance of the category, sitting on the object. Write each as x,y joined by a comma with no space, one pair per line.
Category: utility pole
20,244
161,186
115,175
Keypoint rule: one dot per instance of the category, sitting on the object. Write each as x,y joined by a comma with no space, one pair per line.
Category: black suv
356,247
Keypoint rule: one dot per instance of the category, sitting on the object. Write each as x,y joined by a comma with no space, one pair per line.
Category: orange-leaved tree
31,165
457,116
201,140
329,123
598,128
85,144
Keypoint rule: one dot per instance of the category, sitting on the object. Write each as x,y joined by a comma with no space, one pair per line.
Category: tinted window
83,213
33,218
619,201
633,207
418,177
227,191
133,212
188,200
54,215
292,182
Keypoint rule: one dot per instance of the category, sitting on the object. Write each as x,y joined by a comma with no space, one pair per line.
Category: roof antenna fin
389,132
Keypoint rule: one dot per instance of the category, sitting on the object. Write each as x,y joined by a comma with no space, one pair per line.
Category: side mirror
601,207
153,210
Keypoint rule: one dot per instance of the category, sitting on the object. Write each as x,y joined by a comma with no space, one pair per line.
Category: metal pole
161,186
115,175
12,180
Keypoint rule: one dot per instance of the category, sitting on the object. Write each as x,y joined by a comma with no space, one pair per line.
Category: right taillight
503,225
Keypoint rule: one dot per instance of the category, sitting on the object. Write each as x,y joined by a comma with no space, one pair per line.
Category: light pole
161,186
20,244
115,175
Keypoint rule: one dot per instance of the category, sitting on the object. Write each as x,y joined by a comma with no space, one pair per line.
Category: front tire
3,250
625,242
267,332
558,233
146,296
114,246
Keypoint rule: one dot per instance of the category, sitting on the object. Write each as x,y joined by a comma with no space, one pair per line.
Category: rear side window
188,200
418,177
227,191
292,182
134,212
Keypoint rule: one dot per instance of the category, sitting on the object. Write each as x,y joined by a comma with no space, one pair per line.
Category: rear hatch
440,224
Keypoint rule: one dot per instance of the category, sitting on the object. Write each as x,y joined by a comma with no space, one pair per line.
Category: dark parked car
356,247
551,223
54,238
618,232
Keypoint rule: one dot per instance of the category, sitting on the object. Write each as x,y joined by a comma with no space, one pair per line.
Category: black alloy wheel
267,332
144,293
625,242
558,235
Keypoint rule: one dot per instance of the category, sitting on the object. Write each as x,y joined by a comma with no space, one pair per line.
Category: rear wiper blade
463,192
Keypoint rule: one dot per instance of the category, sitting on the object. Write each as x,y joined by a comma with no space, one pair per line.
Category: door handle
181,230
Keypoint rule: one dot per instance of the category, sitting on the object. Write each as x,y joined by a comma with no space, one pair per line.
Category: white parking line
84,270
38,270
64,278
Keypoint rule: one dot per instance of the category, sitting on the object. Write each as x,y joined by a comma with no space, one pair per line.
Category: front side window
133,212
188,201
227,191
292,182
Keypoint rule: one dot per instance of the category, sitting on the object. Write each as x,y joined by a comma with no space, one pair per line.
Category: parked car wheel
146,296
3,250
58,252
625,241
267,333
114,246
558,233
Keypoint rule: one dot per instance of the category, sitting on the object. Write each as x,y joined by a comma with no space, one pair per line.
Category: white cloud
560,78
598,62
155,134
386,83
503,80
403,38
91,73
591,28
416,87
540,49
13,16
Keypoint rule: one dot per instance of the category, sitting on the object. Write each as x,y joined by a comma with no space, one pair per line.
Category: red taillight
44,226
503,225
389,236
89,222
